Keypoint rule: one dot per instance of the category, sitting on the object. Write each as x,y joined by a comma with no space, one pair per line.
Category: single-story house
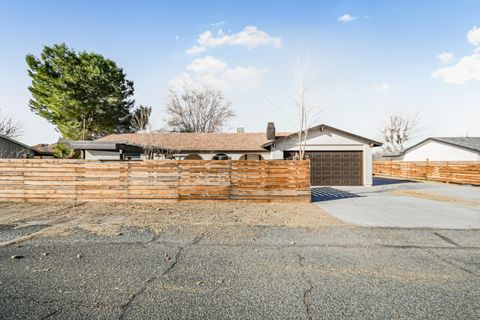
13,149
441,149
337,157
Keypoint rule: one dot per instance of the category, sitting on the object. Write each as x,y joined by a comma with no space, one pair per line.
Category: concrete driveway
404,204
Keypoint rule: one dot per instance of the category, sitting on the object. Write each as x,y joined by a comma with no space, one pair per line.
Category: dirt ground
111,218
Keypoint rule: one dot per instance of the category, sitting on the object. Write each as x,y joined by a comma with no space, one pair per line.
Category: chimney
271,131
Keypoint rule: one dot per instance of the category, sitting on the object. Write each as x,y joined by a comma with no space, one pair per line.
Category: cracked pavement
248,272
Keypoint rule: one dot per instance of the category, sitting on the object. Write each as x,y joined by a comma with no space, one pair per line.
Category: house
13,149
337,157
441,149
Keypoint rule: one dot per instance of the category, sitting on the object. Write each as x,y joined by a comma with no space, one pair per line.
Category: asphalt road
245,273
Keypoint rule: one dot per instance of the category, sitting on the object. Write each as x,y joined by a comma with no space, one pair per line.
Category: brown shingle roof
44,147
183,141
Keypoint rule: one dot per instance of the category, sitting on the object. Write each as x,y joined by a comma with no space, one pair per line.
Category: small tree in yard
308,113
397,131
197,110
10,128
62,150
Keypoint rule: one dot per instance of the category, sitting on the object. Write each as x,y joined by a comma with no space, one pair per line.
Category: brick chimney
271,131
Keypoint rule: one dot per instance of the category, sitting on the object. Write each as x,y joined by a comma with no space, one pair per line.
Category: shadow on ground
327,194
378,181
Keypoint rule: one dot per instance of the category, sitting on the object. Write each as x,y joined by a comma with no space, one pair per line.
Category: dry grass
437,197
111,218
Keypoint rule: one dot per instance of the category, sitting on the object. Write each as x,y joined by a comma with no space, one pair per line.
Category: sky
367,58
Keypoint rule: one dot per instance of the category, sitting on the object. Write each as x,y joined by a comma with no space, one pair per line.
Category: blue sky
381,56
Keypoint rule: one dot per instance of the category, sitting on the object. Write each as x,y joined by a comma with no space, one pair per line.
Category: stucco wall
101,155
232,155
437,151
115,155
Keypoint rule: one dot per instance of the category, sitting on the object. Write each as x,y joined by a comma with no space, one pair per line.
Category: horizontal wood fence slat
155,180
462,172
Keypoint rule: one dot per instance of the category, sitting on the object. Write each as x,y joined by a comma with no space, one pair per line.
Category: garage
335,168
337,157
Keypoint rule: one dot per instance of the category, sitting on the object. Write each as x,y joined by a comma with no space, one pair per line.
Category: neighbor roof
45,148
470,143
185,141
21,144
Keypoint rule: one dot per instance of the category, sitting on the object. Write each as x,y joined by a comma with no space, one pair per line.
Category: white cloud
473,36
249,37
207,64
218,24
241,76
195,50
445,57
212,72
466,69
346,18
382,87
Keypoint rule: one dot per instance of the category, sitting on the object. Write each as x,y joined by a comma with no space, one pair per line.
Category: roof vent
240,129
271,131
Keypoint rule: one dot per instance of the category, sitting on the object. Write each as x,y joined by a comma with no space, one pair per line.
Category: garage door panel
336,167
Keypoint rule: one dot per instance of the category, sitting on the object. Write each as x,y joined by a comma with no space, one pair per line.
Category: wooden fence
162,180
455,172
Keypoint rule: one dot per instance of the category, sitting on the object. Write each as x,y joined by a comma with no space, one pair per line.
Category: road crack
49,315
301,262
444,260
125,307
446,239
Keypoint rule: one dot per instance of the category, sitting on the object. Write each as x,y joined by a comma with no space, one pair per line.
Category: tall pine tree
85,95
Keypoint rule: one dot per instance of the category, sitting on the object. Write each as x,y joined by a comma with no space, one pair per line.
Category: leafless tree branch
308,113
152,147
10,128
197,110
398,130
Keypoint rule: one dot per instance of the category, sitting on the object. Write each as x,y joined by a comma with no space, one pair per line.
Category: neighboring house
13,149
441,149
45,150
337,157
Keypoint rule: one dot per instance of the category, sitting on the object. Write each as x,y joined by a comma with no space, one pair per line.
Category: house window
251,156
220,156
193,156
129,155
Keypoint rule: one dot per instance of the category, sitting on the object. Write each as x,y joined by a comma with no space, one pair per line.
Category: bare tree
308,113
152,148
197,110
10,128
398,130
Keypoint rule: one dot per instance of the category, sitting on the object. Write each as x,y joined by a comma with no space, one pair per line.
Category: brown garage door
336,168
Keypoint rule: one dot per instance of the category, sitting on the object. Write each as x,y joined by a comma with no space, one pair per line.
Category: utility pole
83,138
